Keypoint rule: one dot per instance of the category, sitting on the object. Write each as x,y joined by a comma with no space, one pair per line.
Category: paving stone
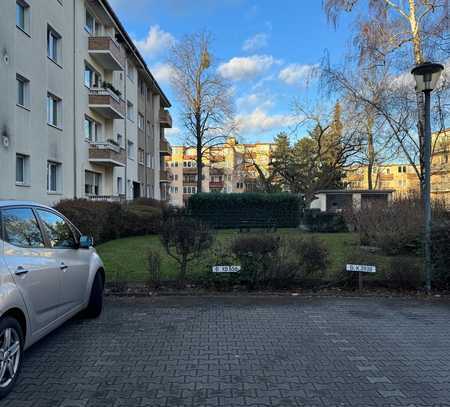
244,351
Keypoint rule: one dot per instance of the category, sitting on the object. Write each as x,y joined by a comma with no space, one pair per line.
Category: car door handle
20,270
63,267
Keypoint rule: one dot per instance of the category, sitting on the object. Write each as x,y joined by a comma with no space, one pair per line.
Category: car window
21,228
58,231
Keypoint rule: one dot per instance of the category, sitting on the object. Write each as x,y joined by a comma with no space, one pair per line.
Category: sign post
360,269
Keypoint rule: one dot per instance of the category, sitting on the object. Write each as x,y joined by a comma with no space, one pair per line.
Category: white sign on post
360,268
226,269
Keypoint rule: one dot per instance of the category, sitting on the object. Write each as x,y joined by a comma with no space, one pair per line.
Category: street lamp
427,76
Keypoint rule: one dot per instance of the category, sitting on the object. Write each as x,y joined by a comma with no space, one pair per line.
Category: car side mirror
86,242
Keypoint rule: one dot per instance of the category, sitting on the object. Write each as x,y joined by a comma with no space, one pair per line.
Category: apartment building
232,167
403,178
81,114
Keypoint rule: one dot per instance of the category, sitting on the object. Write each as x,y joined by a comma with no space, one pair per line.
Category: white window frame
25,161
119,186
94,130
130,111
141,121
54,107
96,185
25,84
25,8
130,150
141,156
56,167
94,22
94,79
53,45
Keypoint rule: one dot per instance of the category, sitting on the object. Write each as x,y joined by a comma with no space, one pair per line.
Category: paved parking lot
245,351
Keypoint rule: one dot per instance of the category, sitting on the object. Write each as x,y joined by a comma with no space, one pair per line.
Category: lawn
126,259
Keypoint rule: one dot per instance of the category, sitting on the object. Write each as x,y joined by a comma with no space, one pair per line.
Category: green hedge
106,221
314,220
256,210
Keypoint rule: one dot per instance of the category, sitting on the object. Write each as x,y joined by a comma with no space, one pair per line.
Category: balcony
164,147
107,154
165,119
106,103
107,53
164,176
107,198
189,170
216,184
386,177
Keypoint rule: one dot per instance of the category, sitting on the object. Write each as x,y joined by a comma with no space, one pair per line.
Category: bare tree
316,161
204,96
392,30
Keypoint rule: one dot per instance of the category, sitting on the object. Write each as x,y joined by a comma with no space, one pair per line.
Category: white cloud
162,73
259,120
263,100
298,74
156,41
246,67
173,133
258,41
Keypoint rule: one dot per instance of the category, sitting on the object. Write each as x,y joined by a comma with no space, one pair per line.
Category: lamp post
427,76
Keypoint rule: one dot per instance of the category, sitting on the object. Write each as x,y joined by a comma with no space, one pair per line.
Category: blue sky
268,50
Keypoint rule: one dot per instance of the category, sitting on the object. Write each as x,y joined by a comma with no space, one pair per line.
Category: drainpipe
75,167
125,75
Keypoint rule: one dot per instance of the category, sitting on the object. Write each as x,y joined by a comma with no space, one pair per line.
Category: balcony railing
164,176
164,147
106,103
165,119
189,170
109,198
107,53
108,154
216,184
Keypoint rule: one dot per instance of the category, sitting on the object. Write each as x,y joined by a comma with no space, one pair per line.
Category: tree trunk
183,272
370,153
199,158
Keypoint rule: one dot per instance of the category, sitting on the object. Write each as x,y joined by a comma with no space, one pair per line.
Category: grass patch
126,259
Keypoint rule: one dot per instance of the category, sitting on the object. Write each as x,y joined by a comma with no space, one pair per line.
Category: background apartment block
228,168
402,177
80,114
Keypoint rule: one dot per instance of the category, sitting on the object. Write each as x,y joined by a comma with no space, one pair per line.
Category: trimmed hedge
252,210
316,221
106,221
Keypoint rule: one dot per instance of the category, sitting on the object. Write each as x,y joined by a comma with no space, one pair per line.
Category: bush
441,255
154,269
106,221
256,210
279,263
184,239
404,273
314,220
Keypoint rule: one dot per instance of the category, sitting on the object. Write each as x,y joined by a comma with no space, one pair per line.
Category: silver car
48,273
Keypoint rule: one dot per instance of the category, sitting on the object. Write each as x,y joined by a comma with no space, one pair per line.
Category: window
141,156
130,150
92,78
53,45
92,183
22,169
22,15
58,231
130,71
23,86
53,176
21,228
130,111
148,160
89,25
141,121
120,140
119,185
53,110
176,177
91,129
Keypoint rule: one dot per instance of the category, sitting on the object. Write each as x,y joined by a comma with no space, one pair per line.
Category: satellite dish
6,141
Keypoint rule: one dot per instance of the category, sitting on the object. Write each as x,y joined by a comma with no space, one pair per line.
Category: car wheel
11,350
95,306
